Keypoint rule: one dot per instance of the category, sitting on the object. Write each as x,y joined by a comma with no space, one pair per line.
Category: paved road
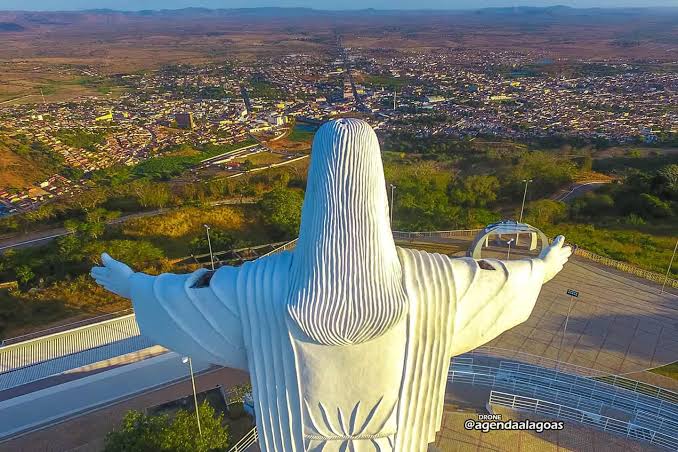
578,190
41,237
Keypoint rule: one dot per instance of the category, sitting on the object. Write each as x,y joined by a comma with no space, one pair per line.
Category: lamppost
668,270
392,201
572,294
508,253
187,359
522,207
209,244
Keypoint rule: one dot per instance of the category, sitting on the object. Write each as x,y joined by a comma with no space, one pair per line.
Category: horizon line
456,9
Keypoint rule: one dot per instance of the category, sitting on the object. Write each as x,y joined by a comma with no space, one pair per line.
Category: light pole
187,359
209,244
572,294
522,207
508,253
392,201
668,270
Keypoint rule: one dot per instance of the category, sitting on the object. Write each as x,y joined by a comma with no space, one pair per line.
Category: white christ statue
347,338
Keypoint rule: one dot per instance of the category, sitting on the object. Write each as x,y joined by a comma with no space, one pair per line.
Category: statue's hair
346,279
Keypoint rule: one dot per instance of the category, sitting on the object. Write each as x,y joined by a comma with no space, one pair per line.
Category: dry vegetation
18,172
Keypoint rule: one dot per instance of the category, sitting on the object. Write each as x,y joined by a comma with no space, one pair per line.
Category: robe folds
385,394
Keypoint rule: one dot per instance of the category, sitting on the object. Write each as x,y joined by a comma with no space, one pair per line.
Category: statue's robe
241,320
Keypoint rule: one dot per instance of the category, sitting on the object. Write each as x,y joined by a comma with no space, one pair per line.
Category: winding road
578,189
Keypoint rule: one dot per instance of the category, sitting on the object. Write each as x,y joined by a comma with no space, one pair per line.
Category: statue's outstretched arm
190,314
480,299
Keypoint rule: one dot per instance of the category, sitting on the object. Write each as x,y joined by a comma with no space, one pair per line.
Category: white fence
35,359
246,441
607,424
574,390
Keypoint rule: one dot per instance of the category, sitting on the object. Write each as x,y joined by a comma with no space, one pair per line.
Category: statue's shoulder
278,262
412,258
421,255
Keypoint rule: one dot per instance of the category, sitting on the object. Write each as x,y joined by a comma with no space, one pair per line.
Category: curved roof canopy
504,227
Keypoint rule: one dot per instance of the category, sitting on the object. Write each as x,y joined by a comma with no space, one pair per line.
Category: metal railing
605,423
287,246
55,353
626,267
455,234
246,441
574,390
640,387
541,361
65,327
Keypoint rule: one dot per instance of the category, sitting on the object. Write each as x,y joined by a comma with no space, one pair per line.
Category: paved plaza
619,324
574,437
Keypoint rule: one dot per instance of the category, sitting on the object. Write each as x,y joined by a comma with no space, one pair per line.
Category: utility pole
668,270
209,244
395,93
522,207
43,97
187,359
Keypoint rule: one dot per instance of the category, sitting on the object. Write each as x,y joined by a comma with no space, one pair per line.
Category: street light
392,201
187,359
522,207
668,270
508,253
572,294
209,243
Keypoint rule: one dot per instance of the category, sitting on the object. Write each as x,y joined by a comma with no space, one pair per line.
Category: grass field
22,85
670,370
262,159
300,135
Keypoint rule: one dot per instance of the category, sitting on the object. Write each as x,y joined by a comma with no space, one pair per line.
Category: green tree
137,432
545,212
668,180
652,206
69,248
149,194
182,434
133,252
475,191
140,433
247,165
24,274
281,210
221,241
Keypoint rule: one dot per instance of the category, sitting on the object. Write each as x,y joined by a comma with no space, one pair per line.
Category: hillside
19,172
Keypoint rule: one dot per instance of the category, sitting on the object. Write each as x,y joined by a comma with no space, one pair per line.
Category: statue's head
347,285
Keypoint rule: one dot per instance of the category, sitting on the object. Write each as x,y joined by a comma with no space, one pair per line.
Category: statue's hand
556,256
113,276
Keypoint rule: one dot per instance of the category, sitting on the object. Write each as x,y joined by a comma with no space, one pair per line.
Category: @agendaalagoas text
492,422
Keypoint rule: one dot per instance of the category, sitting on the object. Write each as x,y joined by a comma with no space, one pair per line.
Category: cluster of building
458,93
13,202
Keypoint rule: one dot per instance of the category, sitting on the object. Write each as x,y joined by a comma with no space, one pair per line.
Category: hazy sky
134,5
